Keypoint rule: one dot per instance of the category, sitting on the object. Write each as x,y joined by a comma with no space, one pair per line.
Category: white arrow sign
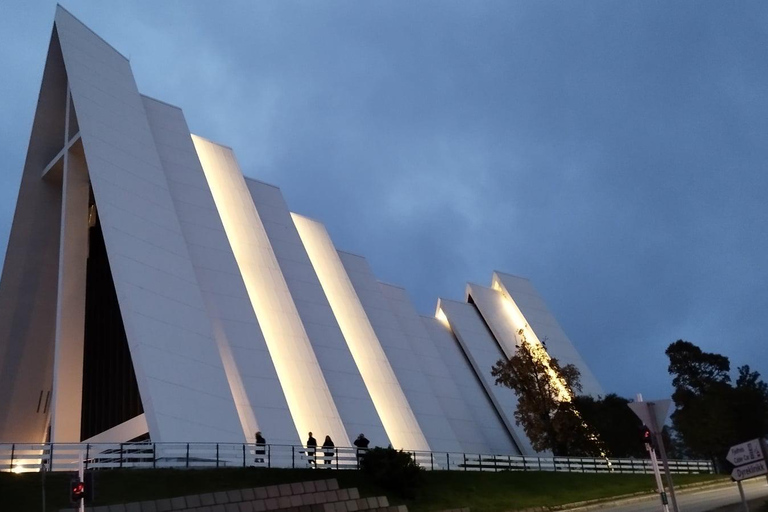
750,470
745,453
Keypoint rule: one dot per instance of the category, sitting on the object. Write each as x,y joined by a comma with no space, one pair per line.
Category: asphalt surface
701,500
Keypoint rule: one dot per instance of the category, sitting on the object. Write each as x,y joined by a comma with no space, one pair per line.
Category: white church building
152,291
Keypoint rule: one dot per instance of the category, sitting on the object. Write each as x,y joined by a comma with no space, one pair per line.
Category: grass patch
483,492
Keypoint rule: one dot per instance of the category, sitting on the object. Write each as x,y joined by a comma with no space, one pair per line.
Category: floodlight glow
379,378
306,391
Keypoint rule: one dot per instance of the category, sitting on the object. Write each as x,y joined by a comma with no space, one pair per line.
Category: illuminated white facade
151,290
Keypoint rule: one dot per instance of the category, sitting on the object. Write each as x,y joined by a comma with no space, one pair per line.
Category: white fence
22,457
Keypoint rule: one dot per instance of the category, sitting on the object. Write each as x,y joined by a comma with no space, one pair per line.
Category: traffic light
77,491
646,436
81,489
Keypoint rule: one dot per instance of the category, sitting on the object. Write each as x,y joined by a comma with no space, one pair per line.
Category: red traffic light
646,436
77,491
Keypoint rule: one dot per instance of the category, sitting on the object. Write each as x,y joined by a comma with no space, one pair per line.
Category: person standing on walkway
362,446
311,445
328,449
260,445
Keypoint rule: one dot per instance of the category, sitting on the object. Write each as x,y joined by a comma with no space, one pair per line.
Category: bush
394,470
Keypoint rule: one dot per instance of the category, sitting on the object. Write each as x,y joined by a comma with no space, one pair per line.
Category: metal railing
24,457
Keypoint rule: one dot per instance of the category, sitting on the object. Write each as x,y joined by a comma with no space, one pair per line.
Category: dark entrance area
110,393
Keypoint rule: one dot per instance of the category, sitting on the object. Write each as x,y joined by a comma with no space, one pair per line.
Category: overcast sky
614,153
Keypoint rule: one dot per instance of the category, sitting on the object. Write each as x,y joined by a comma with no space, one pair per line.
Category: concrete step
322,490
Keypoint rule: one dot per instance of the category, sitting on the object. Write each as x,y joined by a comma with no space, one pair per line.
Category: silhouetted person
260,444
362,446
328,449
311,444
361,441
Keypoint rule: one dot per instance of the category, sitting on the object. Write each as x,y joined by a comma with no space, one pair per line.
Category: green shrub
394,470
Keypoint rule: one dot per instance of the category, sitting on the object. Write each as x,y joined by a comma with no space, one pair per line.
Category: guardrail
24,457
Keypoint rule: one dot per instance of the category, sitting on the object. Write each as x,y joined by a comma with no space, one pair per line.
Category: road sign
749,470
744,453
652,417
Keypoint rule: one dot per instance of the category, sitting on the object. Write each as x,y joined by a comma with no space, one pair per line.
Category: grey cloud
613,153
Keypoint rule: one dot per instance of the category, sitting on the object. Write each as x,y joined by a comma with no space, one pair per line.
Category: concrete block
283,502
203,509
259,506
343,494
297,488
207,500
248,494
362,504
117,508
285,489
103,508
309,487
245,506
331,496
309,499
351,505
148,506
372,503
320,498
329,507
305,508
221,498
318,508
163,505
234,496
133,507
332,484
321,486
261,493
403,508
271,503
273,491
340,506
232,507
383,501
295,500
219,507
193,501
178,503
353,493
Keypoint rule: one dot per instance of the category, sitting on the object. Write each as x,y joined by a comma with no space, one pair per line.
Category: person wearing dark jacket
311,444
260,444
362,446
328,449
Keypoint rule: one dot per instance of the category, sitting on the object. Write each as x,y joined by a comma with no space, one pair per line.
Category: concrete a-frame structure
151,290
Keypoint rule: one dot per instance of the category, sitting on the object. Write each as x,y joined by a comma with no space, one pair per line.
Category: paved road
701,501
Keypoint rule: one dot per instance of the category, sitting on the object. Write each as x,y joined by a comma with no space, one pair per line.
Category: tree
750,404
710,414
616,425
544,391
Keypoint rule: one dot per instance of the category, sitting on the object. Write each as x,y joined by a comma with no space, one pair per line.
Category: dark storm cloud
611,152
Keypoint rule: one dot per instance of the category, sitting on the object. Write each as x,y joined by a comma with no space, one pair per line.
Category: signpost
749,461
653,415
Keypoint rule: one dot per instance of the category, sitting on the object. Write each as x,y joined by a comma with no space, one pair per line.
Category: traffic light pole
663,453
81,474
657,474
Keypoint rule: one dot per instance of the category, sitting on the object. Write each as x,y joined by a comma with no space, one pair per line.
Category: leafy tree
750,404
711,414
544,391
615,423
